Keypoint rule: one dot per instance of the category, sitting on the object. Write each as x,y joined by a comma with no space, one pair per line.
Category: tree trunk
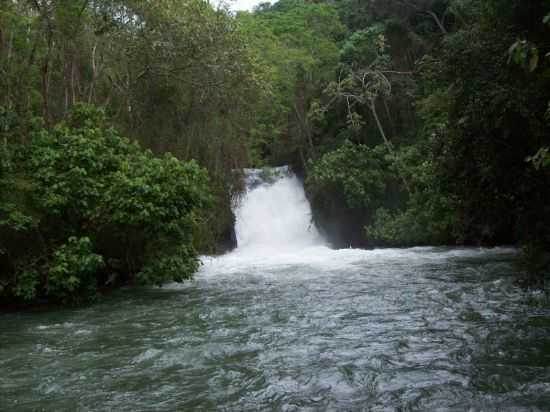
94,75
388,144
437,21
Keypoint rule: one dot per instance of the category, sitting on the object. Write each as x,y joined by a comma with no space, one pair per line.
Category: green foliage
493,123
524,54
175,76
429,219
541,159
430,216
14,219
68,275
73,269
176,267
295,49
361,173
27,286
347,185
270,175
461,152
100,205
363,47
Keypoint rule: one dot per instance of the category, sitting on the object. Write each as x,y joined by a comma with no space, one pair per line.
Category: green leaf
534,60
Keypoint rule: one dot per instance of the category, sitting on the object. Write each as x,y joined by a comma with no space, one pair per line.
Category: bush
346,186
359,173
429,217
92,207
72,270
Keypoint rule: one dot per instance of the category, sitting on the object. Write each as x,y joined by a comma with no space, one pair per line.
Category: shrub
72,270
92,204
346,186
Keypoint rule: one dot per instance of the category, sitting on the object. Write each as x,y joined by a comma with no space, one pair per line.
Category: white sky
244,4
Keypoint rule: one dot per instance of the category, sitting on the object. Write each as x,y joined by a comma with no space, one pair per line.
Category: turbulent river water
285,323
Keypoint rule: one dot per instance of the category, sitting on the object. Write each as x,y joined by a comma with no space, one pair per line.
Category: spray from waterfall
274,214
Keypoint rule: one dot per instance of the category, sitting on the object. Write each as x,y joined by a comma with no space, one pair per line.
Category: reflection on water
416,329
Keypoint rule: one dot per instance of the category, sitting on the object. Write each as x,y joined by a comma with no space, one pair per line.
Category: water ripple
416,329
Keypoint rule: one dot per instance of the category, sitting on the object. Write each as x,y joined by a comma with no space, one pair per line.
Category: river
285,323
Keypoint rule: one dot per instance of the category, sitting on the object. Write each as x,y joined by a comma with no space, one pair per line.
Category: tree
89,210
298,49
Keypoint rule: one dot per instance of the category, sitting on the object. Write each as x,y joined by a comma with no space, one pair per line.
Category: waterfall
276,237
274,214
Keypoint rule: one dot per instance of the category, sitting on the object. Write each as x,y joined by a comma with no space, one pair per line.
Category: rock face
341,227
228,240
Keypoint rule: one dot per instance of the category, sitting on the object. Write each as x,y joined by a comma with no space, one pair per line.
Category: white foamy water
275,216
273,226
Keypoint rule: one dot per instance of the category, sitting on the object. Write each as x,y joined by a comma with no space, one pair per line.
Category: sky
244,4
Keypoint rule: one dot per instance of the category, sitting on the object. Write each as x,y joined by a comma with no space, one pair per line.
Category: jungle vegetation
122,123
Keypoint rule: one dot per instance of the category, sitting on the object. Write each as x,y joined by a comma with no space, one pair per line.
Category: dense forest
124,123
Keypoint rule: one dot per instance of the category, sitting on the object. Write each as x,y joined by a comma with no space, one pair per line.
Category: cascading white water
274,215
